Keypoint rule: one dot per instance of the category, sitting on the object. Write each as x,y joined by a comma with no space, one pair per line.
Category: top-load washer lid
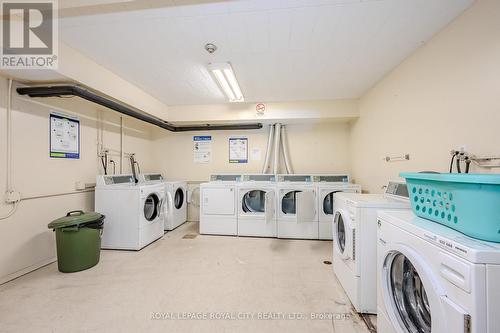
472,250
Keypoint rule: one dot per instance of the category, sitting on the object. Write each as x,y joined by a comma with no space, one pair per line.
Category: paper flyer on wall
202,149
238,150
64,136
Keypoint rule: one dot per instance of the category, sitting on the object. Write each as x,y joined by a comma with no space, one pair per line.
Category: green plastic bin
78,240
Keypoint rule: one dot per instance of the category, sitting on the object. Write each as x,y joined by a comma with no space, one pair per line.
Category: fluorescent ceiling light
223,73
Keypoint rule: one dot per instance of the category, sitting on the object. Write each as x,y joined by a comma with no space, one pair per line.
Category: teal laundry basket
469,203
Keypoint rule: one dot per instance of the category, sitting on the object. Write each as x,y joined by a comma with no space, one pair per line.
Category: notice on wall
238,150
202,149
256,154
64,136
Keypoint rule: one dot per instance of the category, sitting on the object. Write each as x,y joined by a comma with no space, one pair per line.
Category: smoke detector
211,48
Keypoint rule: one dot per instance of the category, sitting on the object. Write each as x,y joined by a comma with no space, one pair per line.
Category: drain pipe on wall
276,152
267,160
284,148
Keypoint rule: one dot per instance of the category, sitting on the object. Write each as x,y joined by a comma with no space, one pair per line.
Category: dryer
218,205
435,279
257,205
133,211
297,207
175,207
327,186
355,241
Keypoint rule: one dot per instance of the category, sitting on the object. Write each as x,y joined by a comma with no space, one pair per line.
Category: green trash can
78,240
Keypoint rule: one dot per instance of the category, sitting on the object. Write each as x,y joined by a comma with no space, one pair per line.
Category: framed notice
202,148
64,136
238,150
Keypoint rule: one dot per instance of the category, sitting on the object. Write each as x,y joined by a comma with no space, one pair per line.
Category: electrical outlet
80,186
12,197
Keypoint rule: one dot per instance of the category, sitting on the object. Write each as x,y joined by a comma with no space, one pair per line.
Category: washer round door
179,198
152,207
289,203
254,202
328,203
413,298
343,235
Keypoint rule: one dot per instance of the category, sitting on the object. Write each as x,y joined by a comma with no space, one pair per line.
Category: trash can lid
75,218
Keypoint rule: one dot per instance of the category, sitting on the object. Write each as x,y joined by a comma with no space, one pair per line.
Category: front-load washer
257,205
297,207
327,186
175,207
176,197
133,211
432,278
355,241
218,205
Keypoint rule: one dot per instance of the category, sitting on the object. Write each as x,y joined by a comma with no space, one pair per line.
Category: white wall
26,241
314,148
445,95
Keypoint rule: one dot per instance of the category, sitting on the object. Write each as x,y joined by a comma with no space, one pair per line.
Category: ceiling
280,50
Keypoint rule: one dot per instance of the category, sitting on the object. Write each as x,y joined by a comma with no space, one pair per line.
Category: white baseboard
34,267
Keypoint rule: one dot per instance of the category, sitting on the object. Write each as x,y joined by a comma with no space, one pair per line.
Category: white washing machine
133,211
434,279
175,207
355,241
218,205
327,186
257,205
297,207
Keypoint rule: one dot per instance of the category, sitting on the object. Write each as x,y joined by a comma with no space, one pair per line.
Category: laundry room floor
181,281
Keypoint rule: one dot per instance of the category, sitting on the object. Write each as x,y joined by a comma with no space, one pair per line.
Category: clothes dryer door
343,235
270,205
414,300
306,206
152,207
253,202
179,198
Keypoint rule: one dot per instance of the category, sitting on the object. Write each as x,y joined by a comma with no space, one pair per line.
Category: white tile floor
207,275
